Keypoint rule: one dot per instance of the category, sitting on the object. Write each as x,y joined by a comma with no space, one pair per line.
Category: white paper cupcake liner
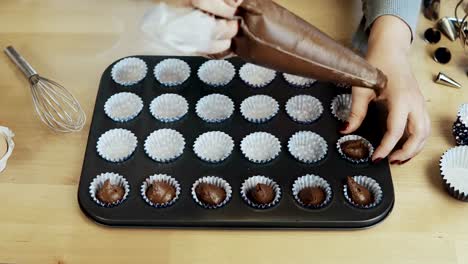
115,179
164,145
354,137
129,71
116,145
307,146
308,181
169,107
256,76
251,182
341,106
215,181
216,72
213,146
259,108
214,108
260,147
123,107
160,178
298,81
172,72
454,172
370,184
8,134
304,108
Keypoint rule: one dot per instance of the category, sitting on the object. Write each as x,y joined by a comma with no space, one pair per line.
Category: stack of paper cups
6,146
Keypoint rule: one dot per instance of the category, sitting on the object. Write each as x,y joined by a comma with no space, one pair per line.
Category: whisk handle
22,64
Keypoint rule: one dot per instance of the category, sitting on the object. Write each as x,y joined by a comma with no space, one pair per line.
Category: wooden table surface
73,42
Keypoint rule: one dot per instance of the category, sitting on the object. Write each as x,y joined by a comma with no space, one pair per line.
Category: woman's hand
389,44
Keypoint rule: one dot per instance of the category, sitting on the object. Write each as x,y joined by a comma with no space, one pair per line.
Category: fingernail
395,162
377,160
344,126
403,162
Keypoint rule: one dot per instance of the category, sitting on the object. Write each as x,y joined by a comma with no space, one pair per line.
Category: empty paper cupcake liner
354,137
214,108
160,178
304,108
259,108
298,81
250,184
308,181
454,171
216,72
372,185
213,146
172,72
169,107
114,179
116,145
164,145
129,71
8,134
215,181
341,106
460,127
256,76
307,146
123,107
260,147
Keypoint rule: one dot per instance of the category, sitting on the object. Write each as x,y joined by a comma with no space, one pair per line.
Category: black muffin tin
134,211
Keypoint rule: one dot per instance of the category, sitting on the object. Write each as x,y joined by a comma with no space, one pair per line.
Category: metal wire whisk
54,104
462,21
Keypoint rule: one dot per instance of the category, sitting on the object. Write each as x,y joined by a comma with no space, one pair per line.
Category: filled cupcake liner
164,145
213,146
215,181
214,108
260,147
372,185
216,72
160,178
116,145
341,106
256,76
129,71
172,72
115,179
460,127
354,137
123,107
169,107
304,108
311,180
8,134
307,146
251,182
298,81
259,108
454,171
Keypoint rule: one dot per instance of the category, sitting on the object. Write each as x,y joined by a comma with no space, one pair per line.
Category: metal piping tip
447,27
443,79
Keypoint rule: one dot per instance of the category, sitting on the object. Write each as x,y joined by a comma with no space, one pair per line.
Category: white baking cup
454,171
370,184
250,184
116,145
160,178
298,81
216,72
213,146
164,145
8,134
304,108
256,76
354,137
341,106
310,181
171,72
123,107
260,147
129,71
307,146
114,179
169,107
259,108
215,181
214,108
